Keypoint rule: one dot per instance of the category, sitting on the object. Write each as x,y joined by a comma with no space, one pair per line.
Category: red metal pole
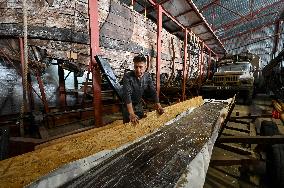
23,80
184,65
41,88
159,47
209,65
76,88
30,92
62,92
201,63
94,50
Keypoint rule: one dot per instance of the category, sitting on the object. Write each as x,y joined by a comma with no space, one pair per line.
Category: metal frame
251,15
160,12
95,50
184,65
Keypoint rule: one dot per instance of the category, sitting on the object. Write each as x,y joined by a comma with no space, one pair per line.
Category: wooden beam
276,139
51,33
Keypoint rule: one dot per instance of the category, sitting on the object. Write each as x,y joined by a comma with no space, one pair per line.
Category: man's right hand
134,119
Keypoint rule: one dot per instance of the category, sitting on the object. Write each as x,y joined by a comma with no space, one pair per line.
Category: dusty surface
246,176
23,169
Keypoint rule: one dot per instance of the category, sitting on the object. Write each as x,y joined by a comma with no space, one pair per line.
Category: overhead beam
179,15
260,39
196,24
227,27
194,8
253,14
152,8
205,22
248,31
230,10
208,5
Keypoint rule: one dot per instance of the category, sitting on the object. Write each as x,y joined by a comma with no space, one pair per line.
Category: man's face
139,69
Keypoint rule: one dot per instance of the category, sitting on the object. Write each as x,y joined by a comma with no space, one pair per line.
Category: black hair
139,58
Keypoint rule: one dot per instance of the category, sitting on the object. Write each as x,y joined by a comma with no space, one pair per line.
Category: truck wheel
275,165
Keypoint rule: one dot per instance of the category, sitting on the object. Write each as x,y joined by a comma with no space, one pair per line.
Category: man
138,84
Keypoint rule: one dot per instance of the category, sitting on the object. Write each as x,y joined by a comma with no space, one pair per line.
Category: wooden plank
277,139
41,32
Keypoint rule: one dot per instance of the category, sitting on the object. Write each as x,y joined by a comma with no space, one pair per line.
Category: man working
137,84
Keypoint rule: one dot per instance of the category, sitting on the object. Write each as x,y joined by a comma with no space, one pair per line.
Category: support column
62,92
76,88
41,88
30,92
201,64
96,75
23,71
209,65
159,47
184,65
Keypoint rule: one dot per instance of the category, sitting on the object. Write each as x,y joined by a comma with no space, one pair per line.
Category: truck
234,74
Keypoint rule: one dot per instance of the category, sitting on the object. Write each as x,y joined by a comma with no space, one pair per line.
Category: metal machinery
273,74
234,75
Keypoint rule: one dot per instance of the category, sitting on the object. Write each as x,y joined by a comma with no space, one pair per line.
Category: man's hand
159,109
134,119
132,116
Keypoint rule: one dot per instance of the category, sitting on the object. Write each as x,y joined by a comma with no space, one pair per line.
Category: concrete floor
241,176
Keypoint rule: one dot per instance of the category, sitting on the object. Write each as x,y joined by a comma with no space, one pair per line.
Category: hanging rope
25,68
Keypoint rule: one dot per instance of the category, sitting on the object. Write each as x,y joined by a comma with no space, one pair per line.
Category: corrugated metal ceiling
186,13
229,20
244,24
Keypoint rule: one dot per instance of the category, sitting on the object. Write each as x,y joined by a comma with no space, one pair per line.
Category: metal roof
187,14
245,25
239,25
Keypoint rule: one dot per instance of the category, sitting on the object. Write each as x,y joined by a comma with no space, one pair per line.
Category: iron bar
159,46
208,5
239,21
201,64
184,65
248,31
95,49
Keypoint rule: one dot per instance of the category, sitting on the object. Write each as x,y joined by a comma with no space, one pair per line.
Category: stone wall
61,26
125,33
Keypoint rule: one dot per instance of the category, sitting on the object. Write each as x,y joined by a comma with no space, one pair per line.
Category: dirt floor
250,175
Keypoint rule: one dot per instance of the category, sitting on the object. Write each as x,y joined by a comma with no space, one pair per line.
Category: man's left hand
159,109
